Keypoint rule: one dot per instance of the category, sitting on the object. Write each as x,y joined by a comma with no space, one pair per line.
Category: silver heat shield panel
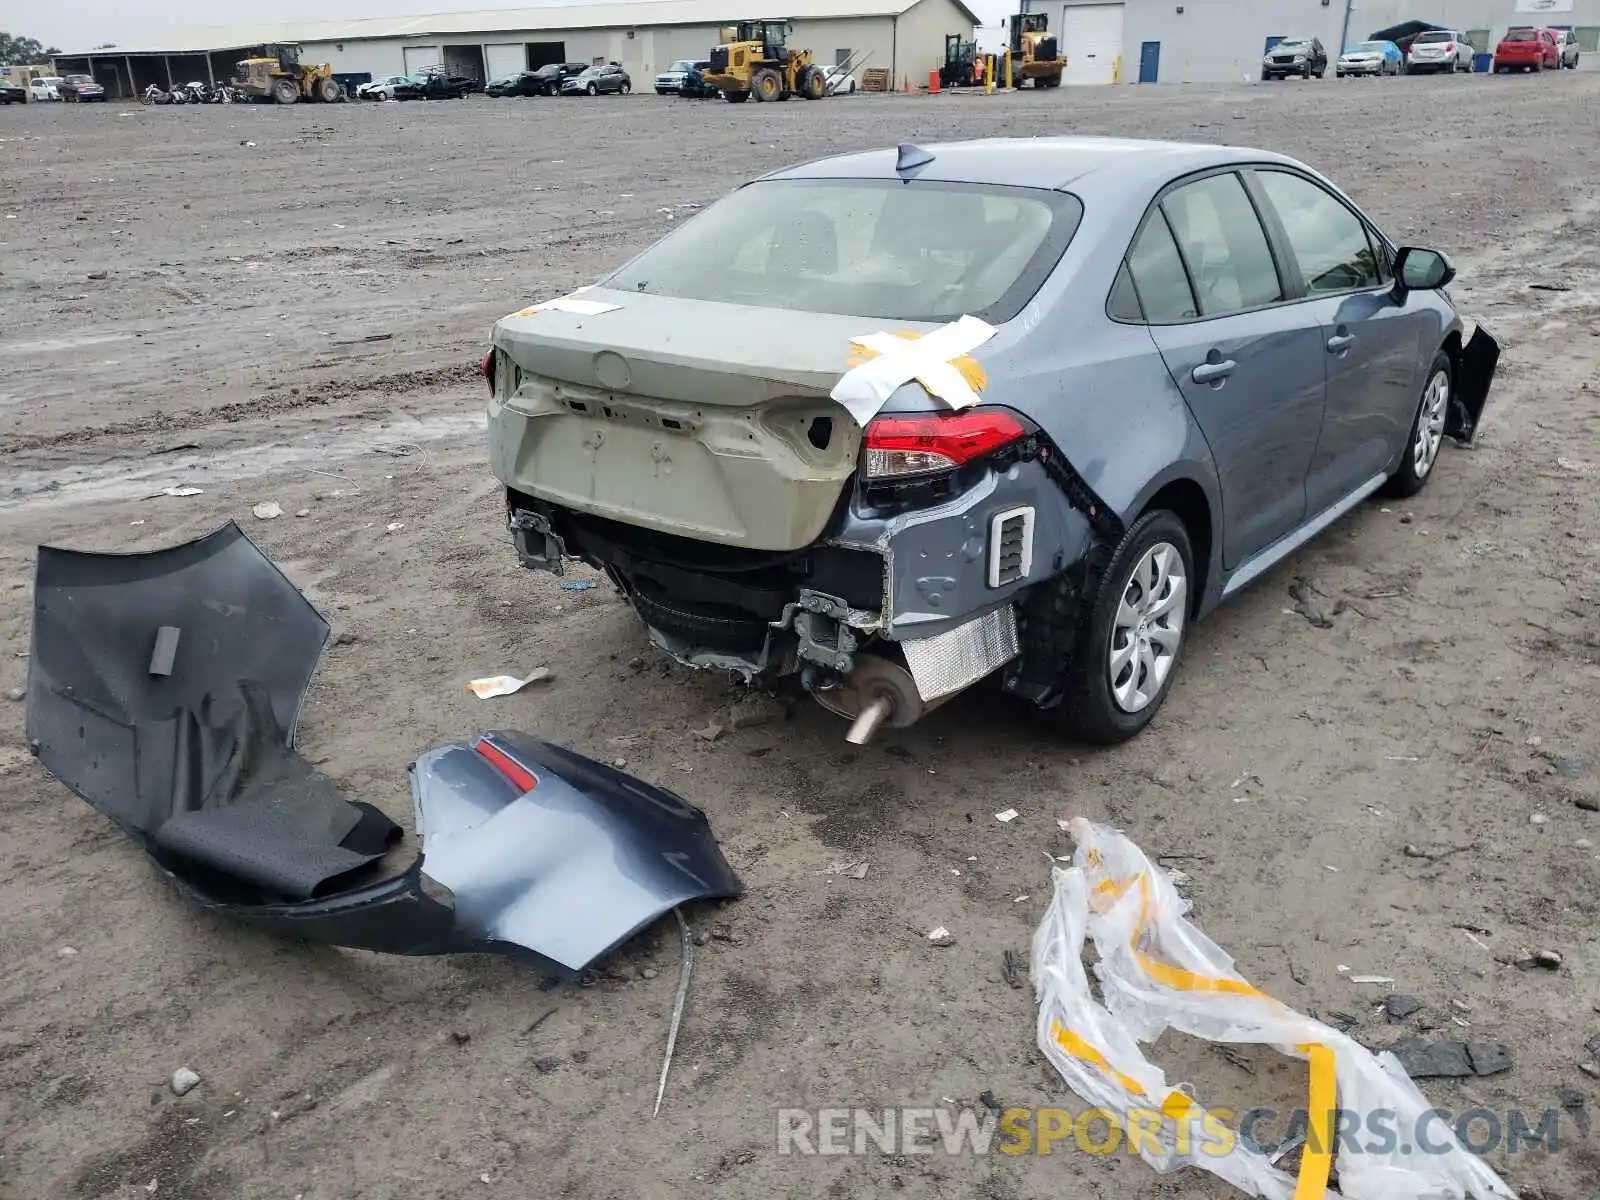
959,657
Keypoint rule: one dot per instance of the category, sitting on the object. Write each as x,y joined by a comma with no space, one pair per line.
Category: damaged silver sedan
1127,378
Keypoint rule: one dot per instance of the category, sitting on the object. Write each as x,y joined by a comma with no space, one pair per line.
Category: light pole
1344,34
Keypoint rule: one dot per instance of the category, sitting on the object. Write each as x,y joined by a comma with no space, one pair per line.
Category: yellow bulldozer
755,60
1033,52
280,76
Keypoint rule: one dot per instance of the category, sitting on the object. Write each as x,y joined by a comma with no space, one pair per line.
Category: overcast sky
80,24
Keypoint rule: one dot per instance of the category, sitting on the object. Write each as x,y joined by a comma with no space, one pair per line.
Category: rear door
1371,344
1249,364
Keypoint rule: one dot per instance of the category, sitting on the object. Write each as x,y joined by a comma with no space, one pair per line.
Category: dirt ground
196,296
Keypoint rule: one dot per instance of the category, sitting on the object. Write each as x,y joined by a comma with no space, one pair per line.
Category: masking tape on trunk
1157,971
884,362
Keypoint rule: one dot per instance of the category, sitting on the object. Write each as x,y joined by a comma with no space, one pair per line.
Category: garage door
418,57
507,59
1091,38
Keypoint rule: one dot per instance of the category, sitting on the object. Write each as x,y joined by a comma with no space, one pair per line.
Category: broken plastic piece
1157,971
165,651
505,685
197,766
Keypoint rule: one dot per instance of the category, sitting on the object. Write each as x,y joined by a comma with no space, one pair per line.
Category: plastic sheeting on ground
1158,971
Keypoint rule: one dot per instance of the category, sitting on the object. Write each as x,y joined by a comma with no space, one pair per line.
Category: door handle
1340,342
1213,372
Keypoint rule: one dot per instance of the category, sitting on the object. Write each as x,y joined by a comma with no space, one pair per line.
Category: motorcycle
154,95
196,92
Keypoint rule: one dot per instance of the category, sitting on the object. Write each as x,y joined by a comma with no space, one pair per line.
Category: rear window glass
1522,35
1440,36
918,251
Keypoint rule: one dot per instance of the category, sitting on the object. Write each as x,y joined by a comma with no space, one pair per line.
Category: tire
661,91
284,91
1091,709
626,88
328,90
766,86
1426,437
815,85
592,90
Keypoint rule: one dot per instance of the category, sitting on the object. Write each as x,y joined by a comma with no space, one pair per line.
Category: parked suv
1567,44
609,78
1527,49
1304,57
81,88
1439,50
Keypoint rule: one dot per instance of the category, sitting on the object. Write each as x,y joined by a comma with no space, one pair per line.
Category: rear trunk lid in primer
701,419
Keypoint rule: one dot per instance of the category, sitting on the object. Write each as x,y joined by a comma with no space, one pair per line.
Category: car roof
1049,162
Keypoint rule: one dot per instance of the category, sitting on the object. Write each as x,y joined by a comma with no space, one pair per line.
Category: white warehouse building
1212,41
903,37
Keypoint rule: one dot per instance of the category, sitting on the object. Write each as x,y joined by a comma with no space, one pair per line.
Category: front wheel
1126,653
1427,432
592,90
626,88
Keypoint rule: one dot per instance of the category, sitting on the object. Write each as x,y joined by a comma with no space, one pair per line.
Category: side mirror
1419,270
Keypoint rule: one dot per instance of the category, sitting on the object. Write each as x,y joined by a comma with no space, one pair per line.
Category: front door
1371,344
1249,364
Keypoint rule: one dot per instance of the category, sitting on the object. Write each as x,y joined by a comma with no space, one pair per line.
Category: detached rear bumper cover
1479,358
163,689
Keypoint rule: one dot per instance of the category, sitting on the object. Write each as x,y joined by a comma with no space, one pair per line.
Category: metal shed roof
197,39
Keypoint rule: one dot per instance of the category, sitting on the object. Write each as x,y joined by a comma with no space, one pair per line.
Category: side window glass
1124,302
1223,244
1159,276
1329,241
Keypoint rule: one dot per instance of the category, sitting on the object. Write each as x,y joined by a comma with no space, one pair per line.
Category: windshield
864,247
1293,44
683,65
1378,46
1438,35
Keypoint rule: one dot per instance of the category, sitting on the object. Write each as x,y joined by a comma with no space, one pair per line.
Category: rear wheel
1125,654
284,91
1427,432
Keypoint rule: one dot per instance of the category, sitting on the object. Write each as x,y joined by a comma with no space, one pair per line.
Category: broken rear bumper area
164,688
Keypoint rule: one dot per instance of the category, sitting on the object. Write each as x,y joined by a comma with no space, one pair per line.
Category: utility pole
1344,34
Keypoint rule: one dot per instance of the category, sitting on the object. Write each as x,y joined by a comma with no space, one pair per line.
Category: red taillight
919,445
486,369
521,778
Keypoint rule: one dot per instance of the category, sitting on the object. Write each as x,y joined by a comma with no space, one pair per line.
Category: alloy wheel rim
1148,628
1430,424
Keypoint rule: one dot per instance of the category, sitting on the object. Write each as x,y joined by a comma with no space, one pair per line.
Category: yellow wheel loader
1033,51
281,77
754,60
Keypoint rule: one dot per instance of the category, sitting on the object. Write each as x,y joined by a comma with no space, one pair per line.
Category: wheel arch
1189,501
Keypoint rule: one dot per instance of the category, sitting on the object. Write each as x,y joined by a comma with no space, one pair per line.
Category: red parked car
1527,50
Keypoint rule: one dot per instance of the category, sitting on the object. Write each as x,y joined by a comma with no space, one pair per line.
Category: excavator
1033,52
280,76
755,60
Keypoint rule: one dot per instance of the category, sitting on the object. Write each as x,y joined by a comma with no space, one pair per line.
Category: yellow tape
1317,1160
1176,1105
